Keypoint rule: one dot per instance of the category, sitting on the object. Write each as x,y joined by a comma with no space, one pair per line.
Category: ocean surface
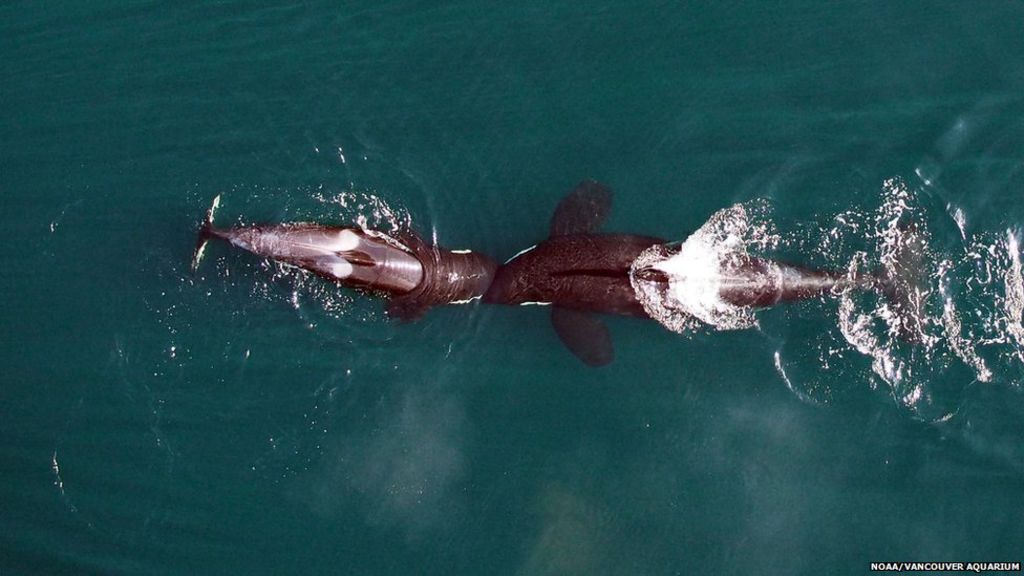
253,419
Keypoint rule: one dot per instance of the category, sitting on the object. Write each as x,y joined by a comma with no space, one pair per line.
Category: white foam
949,308
883,331
959,306
696,277
1013,302
697,272
961,346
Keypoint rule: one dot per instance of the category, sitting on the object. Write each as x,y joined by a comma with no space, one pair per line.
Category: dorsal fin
583,210
584,334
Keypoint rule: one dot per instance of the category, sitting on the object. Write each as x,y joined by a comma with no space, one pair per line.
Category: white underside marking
461,251
199,255
466,301
535,303
213,208
520,253
209,222
342,269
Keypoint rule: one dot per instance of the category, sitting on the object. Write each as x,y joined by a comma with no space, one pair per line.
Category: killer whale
412,274
580,272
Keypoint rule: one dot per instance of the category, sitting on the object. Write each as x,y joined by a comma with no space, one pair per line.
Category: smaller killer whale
579,272
411,273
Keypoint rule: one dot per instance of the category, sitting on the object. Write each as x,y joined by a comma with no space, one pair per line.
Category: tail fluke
205,233
903,283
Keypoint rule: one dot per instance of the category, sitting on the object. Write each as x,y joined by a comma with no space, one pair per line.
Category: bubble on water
367,210
942,312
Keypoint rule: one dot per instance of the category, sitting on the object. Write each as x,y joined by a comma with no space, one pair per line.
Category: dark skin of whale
578,272
586,272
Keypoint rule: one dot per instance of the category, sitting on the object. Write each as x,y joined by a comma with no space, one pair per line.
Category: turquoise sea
251,419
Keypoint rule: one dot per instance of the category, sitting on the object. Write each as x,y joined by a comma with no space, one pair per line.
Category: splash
967,301
367,210
894,332
703,263
950,314
1013,300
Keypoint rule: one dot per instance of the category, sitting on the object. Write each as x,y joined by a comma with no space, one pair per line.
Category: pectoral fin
584,334
406,309
583,210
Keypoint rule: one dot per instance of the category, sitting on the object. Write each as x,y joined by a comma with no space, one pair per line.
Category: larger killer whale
580,272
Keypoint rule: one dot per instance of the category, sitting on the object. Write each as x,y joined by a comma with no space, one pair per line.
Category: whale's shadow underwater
577,270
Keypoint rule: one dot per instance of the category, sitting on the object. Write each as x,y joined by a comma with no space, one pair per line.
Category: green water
245,420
